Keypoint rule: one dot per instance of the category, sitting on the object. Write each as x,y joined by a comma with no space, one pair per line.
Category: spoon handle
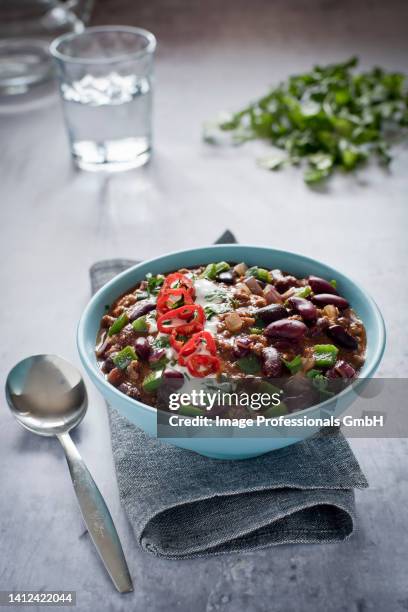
97,517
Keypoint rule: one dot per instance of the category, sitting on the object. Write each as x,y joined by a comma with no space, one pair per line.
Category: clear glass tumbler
105,76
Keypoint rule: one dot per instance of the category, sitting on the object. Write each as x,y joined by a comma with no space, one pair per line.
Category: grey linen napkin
183,505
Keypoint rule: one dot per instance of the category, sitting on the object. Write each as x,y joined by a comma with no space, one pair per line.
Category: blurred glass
105,78
26,29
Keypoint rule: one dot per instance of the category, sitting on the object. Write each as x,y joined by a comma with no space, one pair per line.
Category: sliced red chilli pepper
203,365
202,343
169,299
179,281
176,341
185,320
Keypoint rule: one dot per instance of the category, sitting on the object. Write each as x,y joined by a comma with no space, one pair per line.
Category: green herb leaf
249,364
331,117
161,341
272,162
294,365
154,283
141,295
314,176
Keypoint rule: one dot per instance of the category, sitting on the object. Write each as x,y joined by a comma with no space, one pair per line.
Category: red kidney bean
243,342
341,369
242,347
320,285
301,402
239,352
108,340
283,281
286,328
140,310
306,309
142,348
323,299
226,277
172,373
271,313
272,364
115,377
342,337
174,378
271,295
129,390
297,384
287,345
156,355
319,327
108,364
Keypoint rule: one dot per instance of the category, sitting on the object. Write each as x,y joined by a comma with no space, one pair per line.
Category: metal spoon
47,396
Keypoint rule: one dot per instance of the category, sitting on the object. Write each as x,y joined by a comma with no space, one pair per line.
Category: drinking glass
105,76
26,29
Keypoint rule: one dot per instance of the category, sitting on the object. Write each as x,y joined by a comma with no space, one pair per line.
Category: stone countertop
56,222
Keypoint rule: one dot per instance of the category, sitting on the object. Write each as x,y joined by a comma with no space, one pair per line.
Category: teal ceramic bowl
232,446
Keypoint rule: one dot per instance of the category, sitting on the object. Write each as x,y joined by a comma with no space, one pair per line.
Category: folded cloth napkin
183,505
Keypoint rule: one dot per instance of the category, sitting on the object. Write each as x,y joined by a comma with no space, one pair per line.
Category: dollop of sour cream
203,288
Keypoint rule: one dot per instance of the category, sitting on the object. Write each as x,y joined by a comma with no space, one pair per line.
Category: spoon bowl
46,394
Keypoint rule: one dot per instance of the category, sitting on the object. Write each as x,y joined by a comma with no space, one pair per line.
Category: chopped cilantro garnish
332,117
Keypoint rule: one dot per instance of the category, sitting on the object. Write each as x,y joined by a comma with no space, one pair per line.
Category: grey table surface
55,222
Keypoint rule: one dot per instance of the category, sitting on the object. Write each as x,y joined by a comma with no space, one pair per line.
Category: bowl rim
368,369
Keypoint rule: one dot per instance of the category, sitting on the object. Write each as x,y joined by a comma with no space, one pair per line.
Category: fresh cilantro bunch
331,117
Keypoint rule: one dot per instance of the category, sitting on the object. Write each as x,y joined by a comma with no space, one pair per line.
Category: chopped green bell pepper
118,324
303,292
276,411
190,411
140,325
259,273
222,266
124,357
152,381
213,269
161,364
325,355
209,272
